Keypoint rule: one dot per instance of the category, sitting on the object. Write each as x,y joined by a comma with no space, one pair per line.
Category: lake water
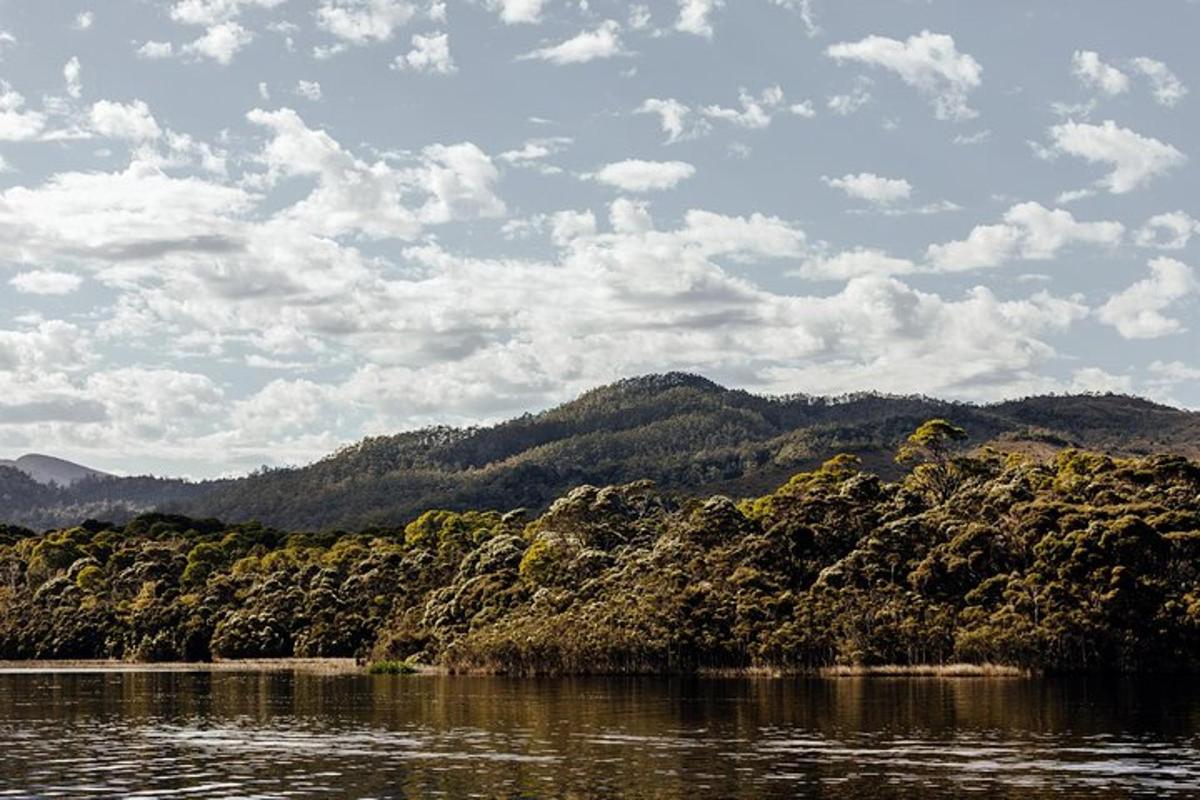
294,734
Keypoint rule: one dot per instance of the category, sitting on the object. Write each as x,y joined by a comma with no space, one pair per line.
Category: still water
294,734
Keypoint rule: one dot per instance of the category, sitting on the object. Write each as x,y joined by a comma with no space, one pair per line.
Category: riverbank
348,666
323,666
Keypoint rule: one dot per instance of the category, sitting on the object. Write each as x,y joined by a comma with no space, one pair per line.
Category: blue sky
244,232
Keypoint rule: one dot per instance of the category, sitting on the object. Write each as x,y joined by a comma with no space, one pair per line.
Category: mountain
682,431
48,470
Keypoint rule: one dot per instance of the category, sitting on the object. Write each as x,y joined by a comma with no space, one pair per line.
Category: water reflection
279,734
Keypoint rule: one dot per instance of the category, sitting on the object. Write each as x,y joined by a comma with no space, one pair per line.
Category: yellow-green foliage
1085,562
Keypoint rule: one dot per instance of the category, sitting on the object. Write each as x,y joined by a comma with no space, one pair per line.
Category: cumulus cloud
84,20
757,111
675,118
362,22
213,12
220,43
636,175
1170,231
695,16
1028,231
1137,312
309,90
871,187
604,41
17,124
1135,160
929,62
155,51
1095,74
46,282
73,77
429,54
514,12
132,121
1167,87
850,102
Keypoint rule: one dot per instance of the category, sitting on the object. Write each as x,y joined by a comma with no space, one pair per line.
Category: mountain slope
47,469
684,432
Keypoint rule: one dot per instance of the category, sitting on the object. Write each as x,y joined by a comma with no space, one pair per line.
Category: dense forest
1076,561
681,431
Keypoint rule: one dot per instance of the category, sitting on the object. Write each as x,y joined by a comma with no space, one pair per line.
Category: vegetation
1082,561
392,668
681,431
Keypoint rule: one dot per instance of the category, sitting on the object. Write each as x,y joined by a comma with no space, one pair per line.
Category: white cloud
212,12
695,16
1168,89
48,343
454,181
462,180
1094,379
1170,231
756,112
602,42
871,187
929,62
514,12
1136,312
131,121
1029,231
429,54
534,152
363,22
46,282
639,17
635,175
857,263
1135,159
221,42
16,123
309,90
72,75
1095,74
155,51
84,20
846,104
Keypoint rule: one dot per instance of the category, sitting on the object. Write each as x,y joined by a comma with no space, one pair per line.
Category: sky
237,233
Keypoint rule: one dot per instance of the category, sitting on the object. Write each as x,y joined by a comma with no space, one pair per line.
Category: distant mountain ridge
683,431
48,469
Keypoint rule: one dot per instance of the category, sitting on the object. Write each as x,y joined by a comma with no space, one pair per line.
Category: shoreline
348,666
324,666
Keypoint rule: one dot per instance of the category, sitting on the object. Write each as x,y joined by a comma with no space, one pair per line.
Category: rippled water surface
283,734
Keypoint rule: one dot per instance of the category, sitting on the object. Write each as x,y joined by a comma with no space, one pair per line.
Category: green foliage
683,432
1082,561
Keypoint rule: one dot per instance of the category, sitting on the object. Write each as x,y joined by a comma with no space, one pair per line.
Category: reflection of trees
600,737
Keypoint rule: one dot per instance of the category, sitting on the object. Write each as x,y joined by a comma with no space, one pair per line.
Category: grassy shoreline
348,666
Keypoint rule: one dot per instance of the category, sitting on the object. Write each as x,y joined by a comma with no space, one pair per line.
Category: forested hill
682,431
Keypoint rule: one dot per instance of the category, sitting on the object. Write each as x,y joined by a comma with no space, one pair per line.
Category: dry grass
926,671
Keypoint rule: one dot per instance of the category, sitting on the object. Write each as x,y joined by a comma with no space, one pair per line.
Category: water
298,735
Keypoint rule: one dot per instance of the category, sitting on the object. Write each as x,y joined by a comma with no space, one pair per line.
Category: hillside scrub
687,434
1082,562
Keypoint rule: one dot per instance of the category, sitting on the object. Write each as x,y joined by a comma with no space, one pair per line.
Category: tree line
1082,561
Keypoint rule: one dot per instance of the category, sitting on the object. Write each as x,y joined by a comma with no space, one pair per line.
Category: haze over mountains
682,431
51,470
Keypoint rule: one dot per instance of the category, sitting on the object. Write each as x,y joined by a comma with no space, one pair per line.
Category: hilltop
684,432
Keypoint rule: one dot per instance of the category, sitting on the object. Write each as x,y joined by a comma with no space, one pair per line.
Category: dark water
154,734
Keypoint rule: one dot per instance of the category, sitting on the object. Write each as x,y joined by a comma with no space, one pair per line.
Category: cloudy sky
244,232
